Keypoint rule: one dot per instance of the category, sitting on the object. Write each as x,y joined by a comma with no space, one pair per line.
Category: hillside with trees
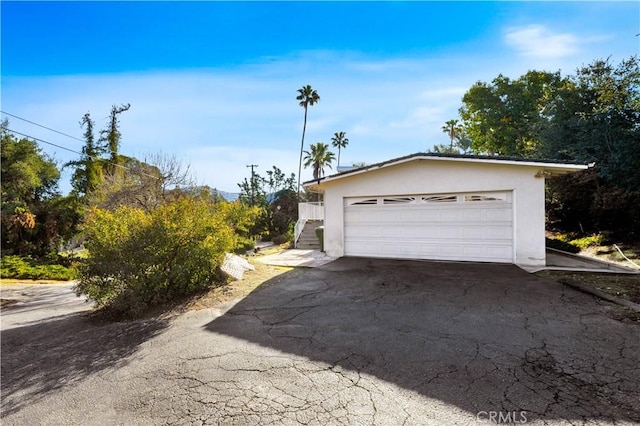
592,116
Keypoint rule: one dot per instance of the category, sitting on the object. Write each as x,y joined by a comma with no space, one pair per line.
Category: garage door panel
496,232
417,231
439,215
436,251
499,214
474,231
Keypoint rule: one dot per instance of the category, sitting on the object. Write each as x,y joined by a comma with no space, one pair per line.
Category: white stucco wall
426,176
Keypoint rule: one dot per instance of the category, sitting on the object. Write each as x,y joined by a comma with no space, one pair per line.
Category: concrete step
308,246
314,241
308,230
308,235
308,239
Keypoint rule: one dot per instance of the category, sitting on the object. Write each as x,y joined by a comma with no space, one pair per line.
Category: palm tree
452,129
319,157
339,140
307,97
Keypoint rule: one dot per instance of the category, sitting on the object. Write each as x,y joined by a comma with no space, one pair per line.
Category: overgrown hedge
138,259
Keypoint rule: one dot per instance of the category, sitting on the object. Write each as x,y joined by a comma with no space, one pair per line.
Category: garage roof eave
547,167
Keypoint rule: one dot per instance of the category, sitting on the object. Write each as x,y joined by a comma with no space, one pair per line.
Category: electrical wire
50,129
40,125
77,152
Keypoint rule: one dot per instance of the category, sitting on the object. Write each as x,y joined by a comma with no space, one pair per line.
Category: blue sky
214,83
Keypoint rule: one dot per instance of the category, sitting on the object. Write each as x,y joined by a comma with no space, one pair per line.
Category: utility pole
253,182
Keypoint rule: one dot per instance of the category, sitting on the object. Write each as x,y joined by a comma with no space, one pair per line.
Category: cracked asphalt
354,342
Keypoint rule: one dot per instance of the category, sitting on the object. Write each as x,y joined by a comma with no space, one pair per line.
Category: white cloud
538,41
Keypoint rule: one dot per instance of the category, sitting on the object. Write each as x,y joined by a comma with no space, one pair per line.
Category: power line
80,153
40,125
54,130
43,141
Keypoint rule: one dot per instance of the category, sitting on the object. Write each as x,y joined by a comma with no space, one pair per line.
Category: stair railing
298,230
306,212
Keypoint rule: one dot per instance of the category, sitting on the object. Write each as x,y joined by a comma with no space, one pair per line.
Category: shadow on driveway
481,337
39,358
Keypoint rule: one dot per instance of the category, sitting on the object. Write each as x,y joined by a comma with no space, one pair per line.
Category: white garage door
468,227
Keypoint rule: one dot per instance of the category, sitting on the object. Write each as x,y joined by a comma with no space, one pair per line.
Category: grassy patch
590,241
25,268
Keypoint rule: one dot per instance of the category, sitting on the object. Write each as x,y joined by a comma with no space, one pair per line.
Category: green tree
340,141
29,178
591,116
452,129
273,197
463,141
283,202
277,182
34,217
595,118
28,174
505,117
88,171
307,97
111,136
252,191
444,149
318,158
459,140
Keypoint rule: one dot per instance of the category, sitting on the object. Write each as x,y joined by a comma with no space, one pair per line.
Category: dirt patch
7,302
625,315
611,254
624,286
237,289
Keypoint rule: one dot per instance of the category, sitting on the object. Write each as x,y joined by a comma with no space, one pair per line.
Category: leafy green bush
242,219
138,259
25,268
244,245
280,239
590,241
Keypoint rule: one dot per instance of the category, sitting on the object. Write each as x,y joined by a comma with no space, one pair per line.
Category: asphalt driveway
356,341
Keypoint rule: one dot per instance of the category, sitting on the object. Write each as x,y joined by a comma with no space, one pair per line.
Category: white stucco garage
441,207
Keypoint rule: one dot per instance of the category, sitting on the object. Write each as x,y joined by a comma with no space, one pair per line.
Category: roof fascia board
554,166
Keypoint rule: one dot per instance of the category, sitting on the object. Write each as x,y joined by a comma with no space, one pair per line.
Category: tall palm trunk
304,128
338,155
